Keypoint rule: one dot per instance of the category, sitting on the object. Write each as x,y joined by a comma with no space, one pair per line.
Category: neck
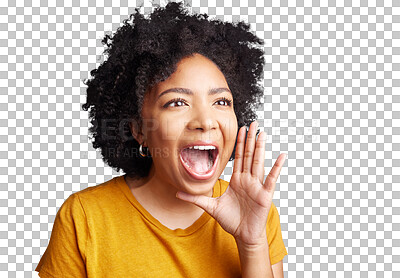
155,193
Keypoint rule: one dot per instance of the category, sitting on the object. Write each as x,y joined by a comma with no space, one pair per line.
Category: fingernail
286,155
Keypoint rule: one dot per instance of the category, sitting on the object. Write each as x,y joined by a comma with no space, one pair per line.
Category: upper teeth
202,147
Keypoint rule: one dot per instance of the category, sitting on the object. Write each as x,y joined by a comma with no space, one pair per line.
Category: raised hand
243,209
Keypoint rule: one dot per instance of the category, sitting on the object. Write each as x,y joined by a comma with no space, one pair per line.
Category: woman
167,108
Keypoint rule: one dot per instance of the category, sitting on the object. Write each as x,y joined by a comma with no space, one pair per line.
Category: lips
200,159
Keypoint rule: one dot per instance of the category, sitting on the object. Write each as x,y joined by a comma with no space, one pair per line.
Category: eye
176,101
224,101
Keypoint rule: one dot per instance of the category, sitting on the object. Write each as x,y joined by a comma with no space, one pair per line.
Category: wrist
252,243
253,248
254,259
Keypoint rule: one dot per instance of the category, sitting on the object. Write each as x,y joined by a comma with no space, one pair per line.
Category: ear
136,130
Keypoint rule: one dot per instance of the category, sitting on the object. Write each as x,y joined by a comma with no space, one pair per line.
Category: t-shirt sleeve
277,249
65,254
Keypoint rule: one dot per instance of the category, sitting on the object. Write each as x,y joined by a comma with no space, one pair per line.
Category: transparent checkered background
332,102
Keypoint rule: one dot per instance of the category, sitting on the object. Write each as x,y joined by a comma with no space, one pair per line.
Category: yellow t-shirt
103,231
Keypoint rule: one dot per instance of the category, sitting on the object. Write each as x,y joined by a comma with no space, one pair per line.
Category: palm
243,209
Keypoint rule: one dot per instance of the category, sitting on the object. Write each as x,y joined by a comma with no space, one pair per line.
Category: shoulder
273,216
100,189
99,193
91,199
223,185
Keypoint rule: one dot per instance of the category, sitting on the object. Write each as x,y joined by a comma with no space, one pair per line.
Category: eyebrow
186,91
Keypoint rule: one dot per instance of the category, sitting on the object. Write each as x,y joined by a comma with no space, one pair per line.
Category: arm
258,261
277,269
65,252
254,260
243,209
255,263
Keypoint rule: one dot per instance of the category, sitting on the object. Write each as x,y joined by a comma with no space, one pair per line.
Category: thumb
204,202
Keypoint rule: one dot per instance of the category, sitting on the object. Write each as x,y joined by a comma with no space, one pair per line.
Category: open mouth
199,161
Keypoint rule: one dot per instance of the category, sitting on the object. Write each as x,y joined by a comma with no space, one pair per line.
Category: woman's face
189,126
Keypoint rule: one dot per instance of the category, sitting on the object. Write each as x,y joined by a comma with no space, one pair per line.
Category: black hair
145,51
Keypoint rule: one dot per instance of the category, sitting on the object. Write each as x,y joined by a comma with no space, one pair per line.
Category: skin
243,210
167,129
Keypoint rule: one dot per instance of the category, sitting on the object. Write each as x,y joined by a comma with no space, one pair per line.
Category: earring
142,154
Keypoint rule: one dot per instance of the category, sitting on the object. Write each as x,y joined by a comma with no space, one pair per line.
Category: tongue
198,160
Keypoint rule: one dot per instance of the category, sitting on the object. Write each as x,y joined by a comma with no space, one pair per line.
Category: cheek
233,126
164,136
170,128
161,129
231,131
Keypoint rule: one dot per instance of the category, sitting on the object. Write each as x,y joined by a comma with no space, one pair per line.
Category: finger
204,202
258,161
249,150
273,175
238,163
263,169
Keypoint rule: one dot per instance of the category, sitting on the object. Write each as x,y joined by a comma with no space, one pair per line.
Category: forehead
197,73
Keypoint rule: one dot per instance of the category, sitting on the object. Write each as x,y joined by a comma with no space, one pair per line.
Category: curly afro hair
145,51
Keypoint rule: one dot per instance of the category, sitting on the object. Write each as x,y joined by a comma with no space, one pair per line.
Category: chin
200,188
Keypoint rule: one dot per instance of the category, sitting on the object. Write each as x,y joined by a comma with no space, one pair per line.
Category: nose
202,118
